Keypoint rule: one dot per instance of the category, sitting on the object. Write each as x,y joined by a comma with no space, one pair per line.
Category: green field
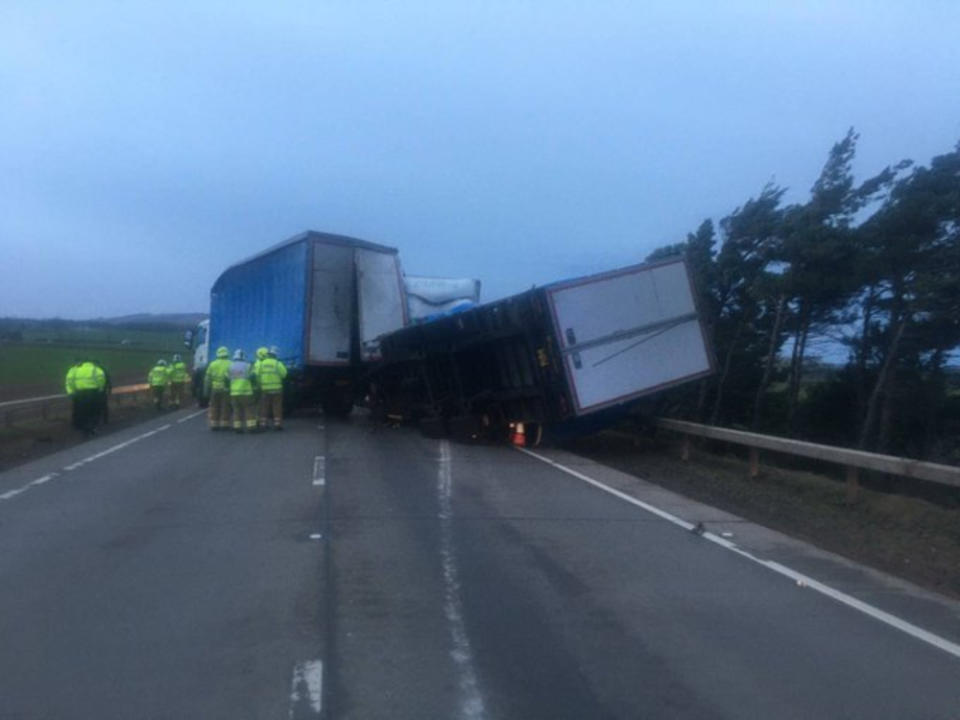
31,369
165,340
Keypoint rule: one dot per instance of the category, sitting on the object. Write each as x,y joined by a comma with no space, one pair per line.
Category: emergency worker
241,394
261,355
179,377
159,381
270,374
85,383
68,383
216,382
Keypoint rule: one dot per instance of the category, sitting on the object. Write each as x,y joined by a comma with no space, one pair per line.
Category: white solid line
33,483
113,449
841,597
73,466
191,416
45,479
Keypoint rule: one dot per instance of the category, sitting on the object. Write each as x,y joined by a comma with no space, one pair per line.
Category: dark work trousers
87,409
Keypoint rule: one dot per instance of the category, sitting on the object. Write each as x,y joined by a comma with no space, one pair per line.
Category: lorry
324,300
556,358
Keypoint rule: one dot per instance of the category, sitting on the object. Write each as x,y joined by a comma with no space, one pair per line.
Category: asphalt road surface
343,570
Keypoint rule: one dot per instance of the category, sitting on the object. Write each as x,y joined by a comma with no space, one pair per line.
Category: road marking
113,449
319,470
10,494
316,536
803,580
191,416
319,427
471,701
33,483
306,690
41,480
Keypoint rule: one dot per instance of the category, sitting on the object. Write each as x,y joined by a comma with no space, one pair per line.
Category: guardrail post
754,462
685,448
853,484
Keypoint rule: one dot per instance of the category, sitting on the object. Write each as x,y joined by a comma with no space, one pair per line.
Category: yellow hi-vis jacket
217,376
269,373
239,376
178,372
85,376
159,376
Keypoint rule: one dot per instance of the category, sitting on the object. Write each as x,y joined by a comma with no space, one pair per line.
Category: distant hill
180,320
138,321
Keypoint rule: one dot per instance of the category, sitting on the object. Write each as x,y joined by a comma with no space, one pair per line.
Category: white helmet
238,354
274,351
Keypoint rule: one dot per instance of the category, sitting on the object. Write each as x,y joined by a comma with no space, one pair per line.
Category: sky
144,147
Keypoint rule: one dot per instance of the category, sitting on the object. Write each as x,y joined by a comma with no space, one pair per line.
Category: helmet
261,353
238,354
273,351
223,352
176,357
162,362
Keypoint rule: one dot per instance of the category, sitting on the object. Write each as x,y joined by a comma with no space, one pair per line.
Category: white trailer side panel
331,304
628,333
380,294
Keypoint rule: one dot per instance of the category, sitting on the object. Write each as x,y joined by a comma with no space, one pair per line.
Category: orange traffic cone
518,437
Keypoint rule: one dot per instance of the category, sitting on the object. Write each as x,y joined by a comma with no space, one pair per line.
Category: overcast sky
146,146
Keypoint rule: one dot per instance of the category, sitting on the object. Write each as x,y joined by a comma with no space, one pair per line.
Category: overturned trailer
550,357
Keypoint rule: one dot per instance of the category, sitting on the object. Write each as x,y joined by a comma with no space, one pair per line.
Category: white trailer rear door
331,304
627,333
380,293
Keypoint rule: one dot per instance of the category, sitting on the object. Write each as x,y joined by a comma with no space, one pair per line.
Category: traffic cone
518,438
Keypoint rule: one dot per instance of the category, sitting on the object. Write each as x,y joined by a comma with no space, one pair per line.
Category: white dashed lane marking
319,470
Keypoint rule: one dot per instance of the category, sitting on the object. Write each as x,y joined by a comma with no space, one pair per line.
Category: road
343,570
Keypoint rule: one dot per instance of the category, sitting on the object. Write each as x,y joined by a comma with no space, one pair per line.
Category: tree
913,242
